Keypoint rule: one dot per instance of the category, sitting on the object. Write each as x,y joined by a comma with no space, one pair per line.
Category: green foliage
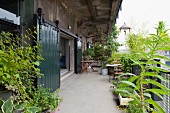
9,106
154,43
18,72
44,100
98,50
134,42
89,53
124,91
104,50
120,84
115,57
112,43
32,109
134,107
126,63
18,67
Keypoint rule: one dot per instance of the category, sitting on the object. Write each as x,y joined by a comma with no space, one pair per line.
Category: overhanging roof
94,15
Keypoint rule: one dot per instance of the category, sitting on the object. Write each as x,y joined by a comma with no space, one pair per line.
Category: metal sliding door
49,37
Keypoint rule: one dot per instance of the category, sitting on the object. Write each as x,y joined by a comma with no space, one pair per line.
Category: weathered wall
56,10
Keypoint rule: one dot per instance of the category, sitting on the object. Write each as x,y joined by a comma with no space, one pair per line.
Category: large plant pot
124,101
104,71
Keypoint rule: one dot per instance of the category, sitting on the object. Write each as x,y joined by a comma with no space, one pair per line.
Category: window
9,17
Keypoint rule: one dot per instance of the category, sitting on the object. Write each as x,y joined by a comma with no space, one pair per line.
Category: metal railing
166,103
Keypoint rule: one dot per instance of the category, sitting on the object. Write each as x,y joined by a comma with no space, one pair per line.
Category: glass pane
9,17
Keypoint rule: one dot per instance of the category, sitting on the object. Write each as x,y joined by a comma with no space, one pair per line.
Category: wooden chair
84,67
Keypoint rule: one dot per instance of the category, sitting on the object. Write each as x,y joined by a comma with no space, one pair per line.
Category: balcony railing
165,104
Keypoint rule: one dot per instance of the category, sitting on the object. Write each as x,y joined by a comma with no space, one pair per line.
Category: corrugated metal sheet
49,39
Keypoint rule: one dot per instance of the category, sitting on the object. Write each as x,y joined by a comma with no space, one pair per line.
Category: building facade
64,28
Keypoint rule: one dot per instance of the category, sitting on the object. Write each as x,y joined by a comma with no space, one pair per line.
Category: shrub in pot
160,41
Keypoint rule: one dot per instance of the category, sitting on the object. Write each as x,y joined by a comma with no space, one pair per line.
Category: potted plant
44,99
88,54
160,41
124,94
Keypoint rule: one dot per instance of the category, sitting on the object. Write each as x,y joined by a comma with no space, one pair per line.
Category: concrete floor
88,93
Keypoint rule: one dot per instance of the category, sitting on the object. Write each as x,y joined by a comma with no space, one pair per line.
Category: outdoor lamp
69,27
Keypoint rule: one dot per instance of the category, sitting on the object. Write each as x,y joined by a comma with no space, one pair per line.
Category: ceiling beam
103,8
91,9
102,21
103,17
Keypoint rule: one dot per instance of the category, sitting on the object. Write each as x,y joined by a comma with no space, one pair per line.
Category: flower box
124,101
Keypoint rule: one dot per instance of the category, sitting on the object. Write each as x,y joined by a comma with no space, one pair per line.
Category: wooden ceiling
95,16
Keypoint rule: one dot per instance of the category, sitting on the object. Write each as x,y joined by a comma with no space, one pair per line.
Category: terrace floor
88,93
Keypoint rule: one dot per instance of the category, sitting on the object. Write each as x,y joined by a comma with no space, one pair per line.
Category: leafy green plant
112,43
134,42
126,63
18,72
124,91
10,106
89,53
134,107
159,41
44,100
124,94
98,51
18,64
115,57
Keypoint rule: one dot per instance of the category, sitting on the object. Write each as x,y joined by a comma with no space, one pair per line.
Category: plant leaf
33,109
125,74
17,75
154,111
37,63
122,90
157,84
153,74
147,95
156,105
133,78
156,93
157,69
161,57
129,83
1,102
21,106
160,91
7,106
